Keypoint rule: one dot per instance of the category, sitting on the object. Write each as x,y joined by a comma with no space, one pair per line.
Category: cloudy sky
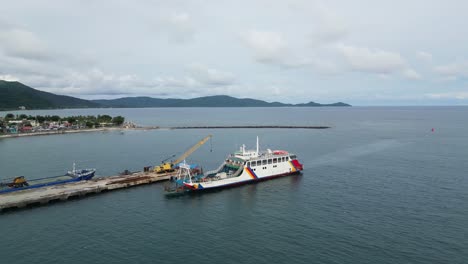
363,52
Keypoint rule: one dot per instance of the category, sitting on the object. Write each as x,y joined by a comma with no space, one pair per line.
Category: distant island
207,101
15,95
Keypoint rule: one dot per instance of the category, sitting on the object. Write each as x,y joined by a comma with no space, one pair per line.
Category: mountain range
16,94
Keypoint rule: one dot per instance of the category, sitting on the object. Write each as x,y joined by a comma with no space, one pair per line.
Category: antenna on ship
257,146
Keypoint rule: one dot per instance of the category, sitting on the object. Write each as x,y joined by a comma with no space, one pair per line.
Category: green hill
15,94
207,101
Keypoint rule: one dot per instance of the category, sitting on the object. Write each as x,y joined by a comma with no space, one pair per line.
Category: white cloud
20,43
269,47
327,28
376,61
453,71
411,74
424,56
9,78
272,48
461,95
199,79
328,34
178,27
211,76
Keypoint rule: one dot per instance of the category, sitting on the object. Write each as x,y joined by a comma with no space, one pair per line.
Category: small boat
20,183
246,166
186,173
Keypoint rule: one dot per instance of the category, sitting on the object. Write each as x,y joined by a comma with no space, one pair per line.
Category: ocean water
377,187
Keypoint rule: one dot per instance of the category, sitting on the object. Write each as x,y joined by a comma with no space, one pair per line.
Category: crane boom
169,166
192,149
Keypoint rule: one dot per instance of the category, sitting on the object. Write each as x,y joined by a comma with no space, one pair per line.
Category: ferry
20,183
246,166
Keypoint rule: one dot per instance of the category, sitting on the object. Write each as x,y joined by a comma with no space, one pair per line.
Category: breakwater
247,127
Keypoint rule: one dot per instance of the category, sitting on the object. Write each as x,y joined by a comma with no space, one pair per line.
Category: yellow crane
169,166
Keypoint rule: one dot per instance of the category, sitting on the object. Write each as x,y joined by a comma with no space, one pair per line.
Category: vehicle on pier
20,183
170,166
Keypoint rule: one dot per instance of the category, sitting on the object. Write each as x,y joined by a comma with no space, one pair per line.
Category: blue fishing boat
20,183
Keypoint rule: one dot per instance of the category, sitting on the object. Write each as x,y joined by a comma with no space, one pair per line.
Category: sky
362,52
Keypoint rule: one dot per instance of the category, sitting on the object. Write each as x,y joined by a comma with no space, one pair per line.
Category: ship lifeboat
280,152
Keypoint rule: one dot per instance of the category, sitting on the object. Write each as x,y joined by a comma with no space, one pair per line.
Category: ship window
293,157
269,161
283,159
275,160
248,164
264,162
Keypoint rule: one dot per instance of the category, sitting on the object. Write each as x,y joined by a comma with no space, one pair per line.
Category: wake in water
354,152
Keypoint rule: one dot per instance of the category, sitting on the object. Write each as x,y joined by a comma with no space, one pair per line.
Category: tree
71,119
55,118
40,119
104,118
89,124
10,116
118,120
23,116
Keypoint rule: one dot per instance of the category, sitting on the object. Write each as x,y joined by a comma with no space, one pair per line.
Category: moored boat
20,183
186,173
245,166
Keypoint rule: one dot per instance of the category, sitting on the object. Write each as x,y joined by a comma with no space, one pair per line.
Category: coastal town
12,124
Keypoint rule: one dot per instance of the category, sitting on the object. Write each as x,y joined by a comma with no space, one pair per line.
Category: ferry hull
190,188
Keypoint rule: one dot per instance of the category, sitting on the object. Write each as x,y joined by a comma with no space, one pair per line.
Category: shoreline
62,132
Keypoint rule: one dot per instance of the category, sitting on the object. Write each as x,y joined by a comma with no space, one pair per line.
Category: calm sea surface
378,187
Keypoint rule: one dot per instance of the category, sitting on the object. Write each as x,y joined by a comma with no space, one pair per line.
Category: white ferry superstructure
245,166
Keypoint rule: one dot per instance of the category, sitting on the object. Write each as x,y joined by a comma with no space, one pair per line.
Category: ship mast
257,147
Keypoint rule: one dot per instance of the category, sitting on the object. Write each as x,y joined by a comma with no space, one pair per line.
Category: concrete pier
63,192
